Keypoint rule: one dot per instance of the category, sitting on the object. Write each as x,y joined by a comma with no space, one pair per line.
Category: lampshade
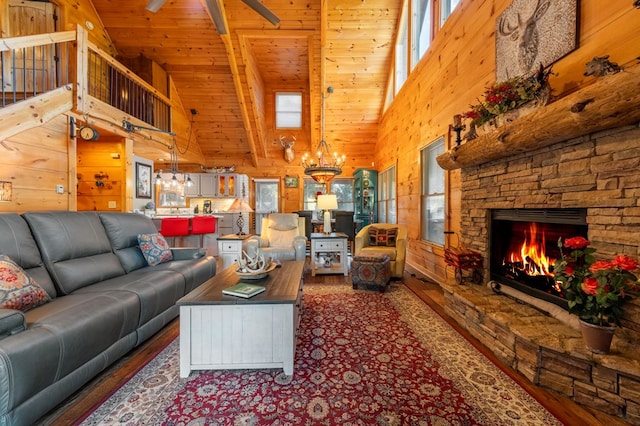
239,205
327,202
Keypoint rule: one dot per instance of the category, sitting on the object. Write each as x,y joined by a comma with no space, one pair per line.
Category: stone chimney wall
599,172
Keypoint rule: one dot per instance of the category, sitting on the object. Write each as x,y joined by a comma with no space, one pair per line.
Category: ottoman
371,271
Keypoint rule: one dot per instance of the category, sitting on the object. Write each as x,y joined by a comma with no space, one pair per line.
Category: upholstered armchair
282,237
387,238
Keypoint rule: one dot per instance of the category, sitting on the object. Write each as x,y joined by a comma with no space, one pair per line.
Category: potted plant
596,290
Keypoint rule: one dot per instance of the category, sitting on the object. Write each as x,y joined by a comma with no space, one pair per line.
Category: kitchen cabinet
233,185
204,185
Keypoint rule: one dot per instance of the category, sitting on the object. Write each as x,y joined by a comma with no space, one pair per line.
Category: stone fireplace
596,179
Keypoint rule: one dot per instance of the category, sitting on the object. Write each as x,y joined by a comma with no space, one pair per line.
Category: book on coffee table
244,290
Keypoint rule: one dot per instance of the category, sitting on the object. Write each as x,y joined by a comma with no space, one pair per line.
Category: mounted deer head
289,155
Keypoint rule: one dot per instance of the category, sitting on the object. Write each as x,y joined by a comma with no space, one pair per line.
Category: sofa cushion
17,289
122,230
155,248
156,289
64,335
383,236
75,248
392,252
17,242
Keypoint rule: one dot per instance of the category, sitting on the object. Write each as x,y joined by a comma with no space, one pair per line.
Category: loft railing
112,83
33,66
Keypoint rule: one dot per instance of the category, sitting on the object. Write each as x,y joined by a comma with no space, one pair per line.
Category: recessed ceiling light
89,24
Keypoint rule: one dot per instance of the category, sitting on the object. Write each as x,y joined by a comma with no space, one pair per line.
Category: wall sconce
6,191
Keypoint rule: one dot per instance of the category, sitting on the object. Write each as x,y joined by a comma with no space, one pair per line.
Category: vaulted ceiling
230,79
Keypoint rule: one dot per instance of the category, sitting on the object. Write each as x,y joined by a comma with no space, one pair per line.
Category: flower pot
597,338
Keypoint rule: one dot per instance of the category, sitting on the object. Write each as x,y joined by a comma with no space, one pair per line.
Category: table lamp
327,203
239,206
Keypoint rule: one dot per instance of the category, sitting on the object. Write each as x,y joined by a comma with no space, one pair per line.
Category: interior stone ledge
548,351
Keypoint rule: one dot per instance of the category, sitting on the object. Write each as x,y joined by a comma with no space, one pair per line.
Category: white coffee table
227,332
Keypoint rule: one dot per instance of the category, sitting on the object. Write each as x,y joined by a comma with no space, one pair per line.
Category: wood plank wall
453,74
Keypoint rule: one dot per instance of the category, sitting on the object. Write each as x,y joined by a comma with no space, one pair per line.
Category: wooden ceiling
230,79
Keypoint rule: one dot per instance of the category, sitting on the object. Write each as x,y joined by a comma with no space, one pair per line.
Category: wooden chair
344,223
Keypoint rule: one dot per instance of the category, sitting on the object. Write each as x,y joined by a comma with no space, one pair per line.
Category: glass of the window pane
434,226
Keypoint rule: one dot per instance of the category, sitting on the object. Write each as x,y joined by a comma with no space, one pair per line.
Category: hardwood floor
100,388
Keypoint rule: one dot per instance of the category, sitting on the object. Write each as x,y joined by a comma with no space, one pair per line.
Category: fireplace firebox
524,246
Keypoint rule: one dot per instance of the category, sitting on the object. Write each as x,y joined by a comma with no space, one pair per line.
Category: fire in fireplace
524,246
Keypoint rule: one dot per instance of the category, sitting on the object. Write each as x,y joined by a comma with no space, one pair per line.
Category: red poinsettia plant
596,290
507,95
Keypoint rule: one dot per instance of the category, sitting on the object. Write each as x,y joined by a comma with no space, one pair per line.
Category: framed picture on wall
143,180
291,182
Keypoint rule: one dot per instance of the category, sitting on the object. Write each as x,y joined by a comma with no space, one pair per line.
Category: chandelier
323,167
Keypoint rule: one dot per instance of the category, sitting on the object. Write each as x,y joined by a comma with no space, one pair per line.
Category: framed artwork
533,33
291,182
143,180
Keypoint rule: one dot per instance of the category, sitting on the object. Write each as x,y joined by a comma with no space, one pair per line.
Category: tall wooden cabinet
365,185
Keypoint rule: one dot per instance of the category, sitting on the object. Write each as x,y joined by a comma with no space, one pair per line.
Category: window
288,110
401,53
342,188
446,7
421,29
432,195
387,211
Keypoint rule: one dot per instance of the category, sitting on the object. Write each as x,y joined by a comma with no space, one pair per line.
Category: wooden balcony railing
49,74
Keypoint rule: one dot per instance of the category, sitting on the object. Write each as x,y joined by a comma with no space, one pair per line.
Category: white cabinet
329,253
233,185
230,248
226,185
204,185
207,185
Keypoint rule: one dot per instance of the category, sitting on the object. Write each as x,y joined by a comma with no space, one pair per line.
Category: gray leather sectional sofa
105,301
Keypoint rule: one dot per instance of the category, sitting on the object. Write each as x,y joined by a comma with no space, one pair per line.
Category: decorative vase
597,338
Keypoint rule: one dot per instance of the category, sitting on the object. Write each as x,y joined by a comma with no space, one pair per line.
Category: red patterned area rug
363,358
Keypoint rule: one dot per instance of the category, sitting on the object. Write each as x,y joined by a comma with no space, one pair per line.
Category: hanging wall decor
533,33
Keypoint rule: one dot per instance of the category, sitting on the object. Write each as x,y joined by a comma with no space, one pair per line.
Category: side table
230,248
329,253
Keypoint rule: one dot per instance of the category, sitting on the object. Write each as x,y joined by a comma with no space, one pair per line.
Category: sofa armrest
186,253
12,321
300,246
254,243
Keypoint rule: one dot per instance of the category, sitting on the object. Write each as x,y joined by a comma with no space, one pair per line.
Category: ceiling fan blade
154,5
216,16
262,10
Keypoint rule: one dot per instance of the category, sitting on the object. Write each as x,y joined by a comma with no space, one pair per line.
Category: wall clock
89,133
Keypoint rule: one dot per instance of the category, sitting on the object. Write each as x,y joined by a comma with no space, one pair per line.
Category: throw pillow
154,248
17,289
383,236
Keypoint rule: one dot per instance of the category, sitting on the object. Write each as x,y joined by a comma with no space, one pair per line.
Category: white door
267,196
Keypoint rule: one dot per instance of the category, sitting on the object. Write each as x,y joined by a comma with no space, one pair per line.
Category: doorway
267,196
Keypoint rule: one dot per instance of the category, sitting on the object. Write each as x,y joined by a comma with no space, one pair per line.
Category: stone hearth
599,172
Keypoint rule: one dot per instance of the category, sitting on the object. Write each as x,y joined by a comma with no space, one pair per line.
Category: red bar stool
174,227
201,225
